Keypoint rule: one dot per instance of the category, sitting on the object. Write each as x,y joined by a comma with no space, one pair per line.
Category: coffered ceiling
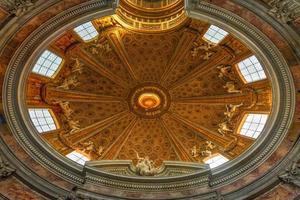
165,94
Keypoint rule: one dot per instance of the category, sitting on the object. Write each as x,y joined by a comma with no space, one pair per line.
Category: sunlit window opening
253,125
77,157
42,119
251,69
216,160
214,34
86,31
47,64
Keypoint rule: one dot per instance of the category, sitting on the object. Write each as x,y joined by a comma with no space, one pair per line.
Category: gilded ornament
231,87
5,169
292,175
18,7
284,10
70,81
205,47
231,110
203,151
224,128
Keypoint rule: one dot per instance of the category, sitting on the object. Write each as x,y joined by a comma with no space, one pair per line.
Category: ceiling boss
149,100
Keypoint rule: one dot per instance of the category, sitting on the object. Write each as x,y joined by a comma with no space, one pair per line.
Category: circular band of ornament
149,100
21,64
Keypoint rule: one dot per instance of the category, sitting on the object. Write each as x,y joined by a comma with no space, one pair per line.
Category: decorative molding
289,33
285,10
73,195
292,175
169,168
163,17
18,7
2,197
121,174
5,169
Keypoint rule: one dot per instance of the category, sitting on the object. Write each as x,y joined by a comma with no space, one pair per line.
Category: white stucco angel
231,110
224,128
70,81
231,88
145,166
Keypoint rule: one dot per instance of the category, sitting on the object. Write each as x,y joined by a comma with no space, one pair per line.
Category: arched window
251,69
42,119
216,160
77,157
47,64
86,31
214,34
253,124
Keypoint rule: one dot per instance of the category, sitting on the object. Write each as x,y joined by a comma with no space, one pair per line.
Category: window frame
81,156
242,75
244,118
58,67
211,42
81,38
55,120
215,155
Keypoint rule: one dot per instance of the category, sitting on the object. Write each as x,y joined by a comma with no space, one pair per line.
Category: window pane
214,34
251,69
42,119
216,160
47,64
86,31
253,125
77,157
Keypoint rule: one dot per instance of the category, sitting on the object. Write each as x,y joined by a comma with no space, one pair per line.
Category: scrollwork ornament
5,169
284,10
73,195
292,175
18,7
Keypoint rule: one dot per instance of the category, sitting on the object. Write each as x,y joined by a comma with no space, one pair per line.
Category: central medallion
149,100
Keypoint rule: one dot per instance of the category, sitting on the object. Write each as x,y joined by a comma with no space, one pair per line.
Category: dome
148,98
184,94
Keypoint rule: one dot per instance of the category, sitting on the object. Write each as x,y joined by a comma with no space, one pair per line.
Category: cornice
286,29
5,169
14,22
269,180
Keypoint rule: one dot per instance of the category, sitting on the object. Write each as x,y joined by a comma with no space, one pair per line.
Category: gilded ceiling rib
222,56
183,47
116,42
96,65
90,131
246,98
112,152
224,142
54,94
179,148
